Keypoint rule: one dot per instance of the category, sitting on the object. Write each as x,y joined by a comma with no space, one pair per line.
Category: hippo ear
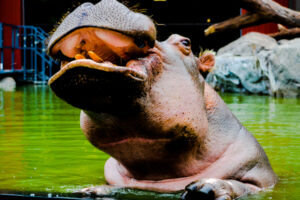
206,61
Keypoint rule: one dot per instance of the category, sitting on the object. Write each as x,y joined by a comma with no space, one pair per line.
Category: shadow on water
42,148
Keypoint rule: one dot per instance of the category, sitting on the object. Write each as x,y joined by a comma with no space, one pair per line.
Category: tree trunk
272,11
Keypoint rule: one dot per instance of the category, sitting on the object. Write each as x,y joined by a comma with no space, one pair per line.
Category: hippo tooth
79,56
94,56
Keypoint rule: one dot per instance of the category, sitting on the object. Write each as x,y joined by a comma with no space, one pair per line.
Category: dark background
185,17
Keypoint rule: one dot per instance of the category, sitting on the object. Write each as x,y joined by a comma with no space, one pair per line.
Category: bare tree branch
248,19
259,12
286,34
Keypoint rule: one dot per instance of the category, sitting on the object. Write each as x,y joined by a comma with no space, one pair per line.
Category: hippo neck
224,140
145,155
172,164
223,126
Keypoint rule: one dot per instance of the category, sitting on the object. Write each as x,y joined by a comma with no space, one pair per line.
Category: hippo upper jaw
107,14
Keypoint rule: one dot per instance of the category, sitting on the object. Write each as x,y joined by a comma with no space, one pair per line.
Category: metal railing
22,50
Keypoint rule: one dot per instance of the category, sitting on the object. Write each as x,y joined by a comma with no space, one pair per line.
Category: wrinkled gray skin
176,133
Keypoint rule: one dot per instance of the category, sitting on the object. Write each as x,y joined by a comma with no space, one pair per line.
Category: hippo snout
96,45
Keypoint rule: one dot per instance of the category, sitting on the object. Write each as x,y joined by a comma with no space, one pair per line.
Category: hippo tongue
98,87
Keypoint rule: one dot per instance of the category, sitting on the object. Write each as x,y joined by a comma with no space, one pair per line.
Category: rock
238,74
249,45
283,41
282,66
269,68
7,84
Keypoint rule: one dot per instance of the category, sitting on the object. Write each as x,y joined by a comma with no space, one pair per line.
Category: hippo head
142,100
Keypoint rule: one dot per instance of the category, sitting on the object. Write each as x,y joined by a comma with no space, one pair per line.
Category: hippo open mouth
101,70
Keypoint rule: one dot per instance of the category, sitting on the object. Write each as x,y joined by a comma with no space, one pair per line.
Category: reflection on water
42,147
276,125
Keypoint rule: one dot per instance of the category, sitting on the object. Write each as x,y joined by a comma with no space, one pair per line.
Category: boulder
238,74
249,45
269,68
282,66
7,84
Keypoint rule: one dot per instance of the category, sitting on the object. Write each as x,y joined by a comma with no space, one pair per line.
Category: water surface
42,148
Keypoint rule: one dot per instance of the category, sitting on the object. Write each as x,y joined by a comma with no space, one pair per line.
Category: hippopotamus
145,103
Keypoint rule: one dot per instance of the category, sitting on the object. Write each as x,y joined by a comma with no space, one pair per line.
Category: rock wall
256,63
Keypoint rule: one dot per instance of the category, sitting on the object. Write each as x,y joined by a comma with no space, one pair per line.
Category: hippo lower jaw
89,64
94,86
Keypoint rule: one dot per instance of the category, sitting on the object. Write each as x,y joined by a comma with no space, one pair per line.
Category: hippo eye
186,42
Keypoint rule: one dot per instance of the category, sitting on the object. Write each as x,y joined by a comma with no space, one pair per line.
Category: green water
42,148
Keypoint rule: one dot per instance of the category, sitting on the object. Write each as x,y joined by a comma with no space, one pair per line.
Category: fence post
12,49
31,50
24,53
35,56
43,70
50,69
1,47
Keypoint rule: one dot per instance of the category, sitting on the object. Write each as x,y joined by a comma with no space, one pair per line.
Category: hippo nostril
82,43
140,43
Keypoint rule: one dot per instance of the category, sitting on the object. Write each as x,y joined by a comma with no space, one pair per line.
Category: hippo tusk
94,56
79,56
